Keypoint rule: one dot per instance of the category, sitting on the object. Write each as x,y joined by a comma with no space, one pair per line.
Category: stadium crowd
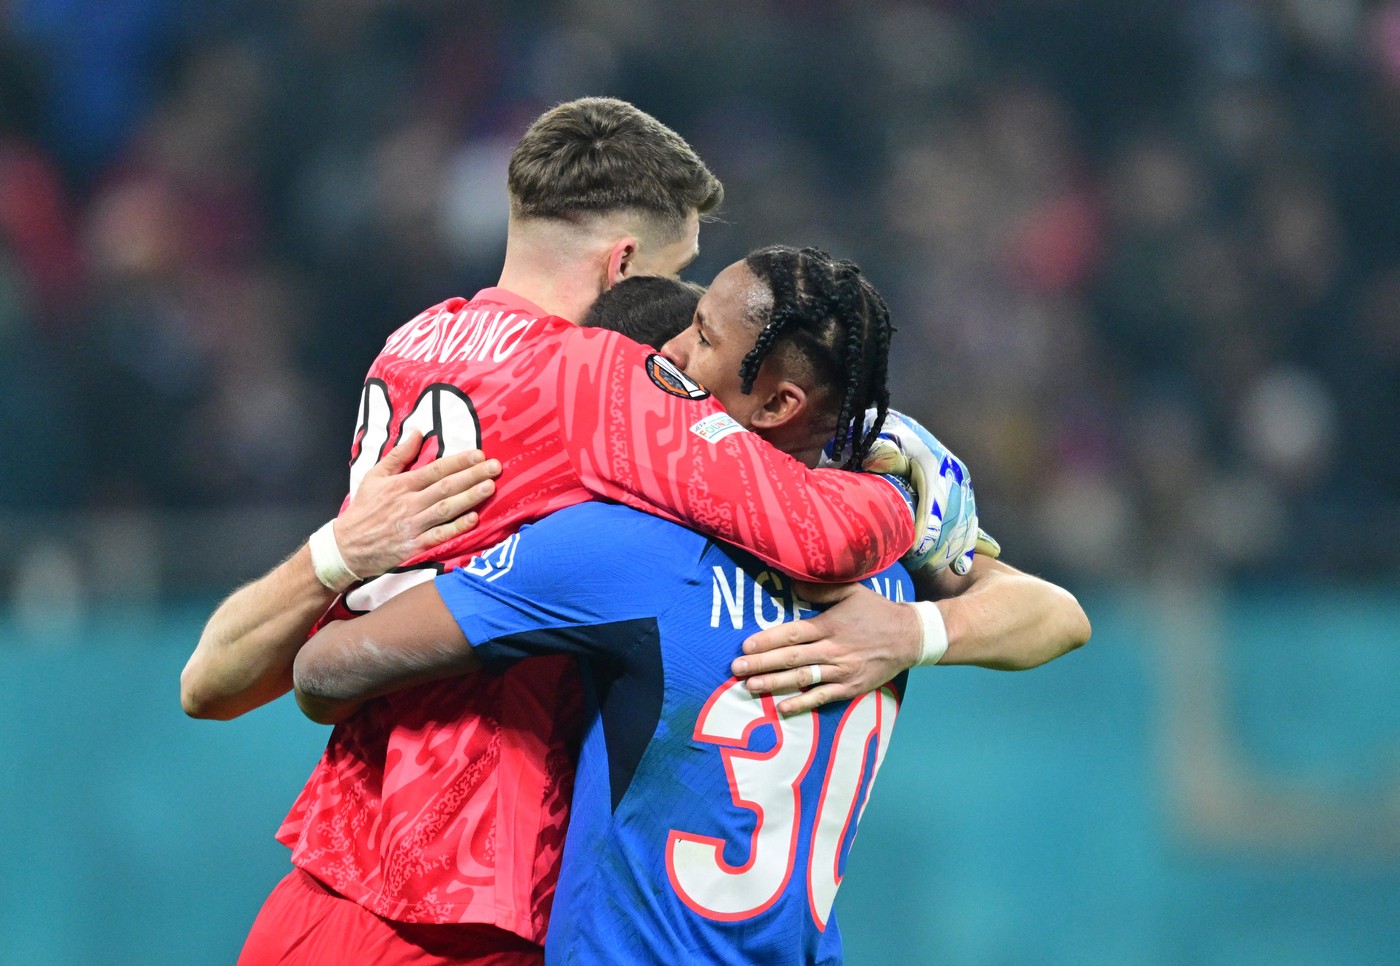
1144,259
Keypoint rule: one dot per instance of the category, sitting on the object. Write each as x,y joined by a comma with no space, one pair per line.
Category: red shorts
303,923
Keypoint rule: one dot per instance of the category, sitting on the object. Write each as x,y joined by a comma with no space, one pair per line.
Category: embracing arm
244,656
680,457
998,617
409,640
562,587
995,616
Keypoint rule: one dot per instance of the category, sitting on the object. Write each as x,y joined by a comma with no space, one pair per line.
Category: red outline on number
876,730
728,751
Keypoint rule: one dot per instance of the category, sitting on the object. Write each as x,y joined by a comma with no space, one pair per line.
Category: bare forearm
244,656
1006,620
336,673
412,639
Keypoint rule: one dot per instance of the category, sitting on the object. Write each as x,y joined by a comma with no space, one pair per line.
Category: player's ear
786,403
620,259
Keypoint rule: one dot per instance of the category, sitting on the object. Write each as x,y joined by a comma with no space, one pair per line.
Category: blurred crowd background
1144,258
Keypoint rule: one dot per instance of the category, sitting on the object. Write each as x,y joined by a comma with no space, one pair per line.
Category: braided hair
831,315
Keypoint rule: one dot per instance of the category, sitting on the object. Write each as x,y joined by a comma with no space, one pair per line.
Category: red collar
510,301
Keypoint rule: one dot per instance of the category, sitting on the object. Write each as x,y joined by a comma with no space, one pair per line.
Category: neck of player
562,267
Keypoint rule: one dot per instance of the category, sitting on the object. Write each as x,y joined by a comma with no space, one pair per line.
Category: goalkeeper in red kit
440,810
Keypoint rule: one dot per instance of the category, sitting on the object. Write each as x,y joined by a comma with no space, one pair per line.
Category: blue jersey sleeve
589,580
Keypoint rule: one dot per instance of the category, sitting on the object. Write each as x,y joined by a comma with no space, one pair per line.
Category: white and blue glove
945,510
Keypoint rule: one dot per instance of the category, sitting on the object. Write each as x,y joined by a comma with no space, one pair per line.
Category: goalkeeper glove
945,511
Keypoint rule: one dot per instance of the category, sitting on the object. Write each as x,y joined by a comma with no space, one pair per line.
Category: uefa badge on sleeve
670,379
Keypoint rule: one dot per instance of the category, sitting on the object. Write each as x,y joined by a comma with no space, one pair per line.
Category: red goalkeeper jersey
448,802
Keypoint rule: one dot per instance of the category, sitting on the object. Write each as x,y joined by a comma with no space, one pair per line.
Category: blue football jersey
706,826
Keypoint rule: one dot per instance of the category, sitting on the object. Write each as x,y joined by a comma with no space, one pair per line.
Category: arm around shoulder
819,525
245,653
1001,618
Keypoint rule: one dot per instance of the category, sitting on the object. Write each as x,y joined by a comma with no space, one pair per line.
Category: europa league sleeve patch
670,379
716,426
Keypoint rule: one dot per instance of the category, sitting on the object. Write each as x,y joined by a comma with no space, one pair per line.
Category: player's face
669,259
712,349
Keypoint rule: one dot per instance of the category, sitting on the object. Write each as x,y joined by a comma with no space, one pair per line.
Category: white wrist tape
935,643
326,560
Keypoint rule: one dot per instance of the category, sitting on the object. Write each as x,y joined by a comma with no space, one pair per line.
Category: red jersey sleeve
638,432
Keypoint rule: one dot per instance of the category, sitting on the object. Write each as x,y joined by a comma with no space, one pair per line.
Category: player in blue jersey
705,824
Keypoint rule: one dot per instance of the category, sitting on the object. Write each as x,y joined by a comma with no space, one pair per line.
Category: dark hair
598,155
828,313
650,309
